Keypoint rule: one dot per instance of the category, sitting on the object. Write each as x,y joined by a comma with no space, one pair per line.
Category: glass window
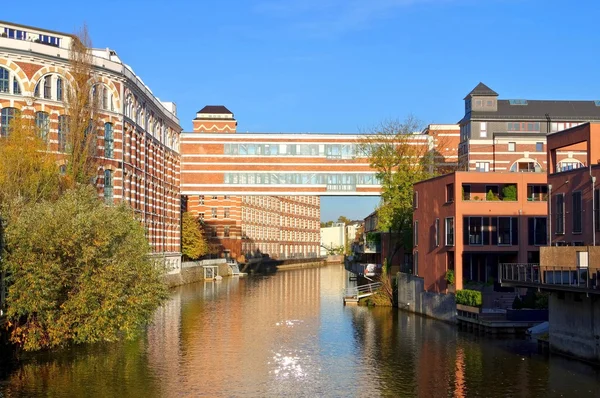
16,86
226,231
4,81
450,231
7,115
482,166
108,186
59,89
560,213
63,130
539,147
504,230
437,231
483,129
450,193
537,234
512,146
214,212
47,87
108,141
42,122
474,229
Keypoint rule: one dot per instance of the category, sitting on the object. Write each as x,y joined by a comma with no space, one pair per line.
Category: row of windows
576,212
465,130
143,116
333,151
42,122
334,180
479,231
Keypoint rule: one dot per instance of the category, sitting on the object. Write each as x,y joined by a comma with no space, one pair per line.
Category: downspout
550,214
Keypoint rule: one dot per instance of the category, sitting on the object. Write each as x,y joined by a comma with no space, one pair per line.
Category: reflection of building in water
259,324
164,342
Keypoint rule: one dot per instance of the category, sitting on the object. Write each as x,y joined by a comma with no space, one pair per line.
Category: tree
395,154
82,105
28,172
80,273
344,219
194,244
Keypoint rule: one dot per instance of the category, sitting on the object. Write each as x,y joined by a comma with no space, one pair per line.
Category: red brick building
573,209
138,135
469,222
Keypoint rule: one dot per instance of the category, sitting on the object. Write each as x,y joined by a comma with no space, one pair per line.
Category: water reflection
289,334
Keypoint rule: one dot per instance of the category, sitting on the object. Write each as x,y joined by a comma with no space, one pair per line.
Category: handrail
357,291
571,276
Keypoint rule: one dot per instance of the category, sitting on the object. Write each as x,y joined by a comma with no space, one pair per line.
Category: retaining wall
412,297
193,271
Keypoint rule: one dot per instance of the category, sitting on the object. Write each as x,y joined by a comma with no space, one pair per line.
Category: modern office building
510,134
138,141
470,222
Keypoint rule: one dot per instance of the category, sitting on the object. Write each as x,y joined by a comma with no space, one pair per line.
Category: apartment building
469,222
138,140
574,219
510,134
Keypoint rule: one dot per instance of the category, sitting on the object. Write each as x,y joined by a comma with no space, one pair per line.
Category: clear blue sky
340,65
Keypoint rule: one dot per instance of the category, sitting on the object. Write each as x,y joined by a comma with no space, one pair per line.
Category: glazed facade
137,135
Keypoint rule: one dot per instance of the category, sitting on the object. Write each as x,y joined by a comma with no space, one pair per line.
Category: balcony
562,278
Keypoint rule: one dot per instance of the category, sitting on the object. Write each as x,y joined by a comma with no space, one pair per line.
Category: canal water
289,335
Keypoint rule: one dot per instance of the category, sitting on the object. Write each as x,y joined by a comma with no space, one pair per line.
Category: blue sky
340,65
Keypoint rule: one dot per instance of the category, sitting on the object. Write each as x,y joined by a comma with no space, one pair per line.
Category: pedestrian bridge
278,164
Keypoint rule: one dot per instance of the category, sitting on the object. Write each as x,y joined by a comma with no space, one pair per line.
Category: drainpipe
549,214
594,204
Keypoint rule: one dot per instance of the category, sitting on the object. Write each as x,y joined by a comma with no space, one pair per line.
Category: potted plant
469,301
450,279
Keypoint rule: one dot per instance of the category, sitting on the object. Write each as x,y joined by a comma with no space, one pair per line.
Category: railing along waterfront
564,277
363,291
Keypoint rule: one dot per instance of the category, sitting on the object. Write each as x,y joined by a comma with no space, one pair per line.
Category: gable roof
481,90
215,109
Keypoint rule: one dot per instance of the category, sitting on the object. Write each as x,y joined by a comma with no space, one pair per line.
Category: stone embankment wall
412,297
574,325
193,271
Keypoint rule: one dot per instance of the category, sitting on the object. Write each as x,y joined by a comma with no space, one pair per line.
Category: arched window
108,140
105,98
42,122
7,115
568,164
108,186
525,165
48,87
51,86
63,130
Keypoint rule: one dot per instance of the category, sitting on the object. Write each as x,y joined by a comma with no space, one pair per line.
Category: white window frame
446,231
483,129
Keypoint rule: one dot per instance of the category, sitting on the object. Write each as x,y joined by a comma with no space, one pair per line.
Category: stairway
499,300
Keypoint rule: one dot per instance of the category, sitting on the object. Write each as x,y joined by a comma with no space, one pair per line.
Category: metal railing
363,291
564,276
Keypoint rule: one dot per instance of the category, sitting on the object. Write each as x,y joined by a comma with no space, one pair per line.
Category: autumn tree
80,273
194,244
83,100
401,156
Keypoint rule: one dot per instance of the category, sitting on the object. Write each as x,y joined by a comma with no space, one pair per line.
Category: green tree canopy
80,273
194,244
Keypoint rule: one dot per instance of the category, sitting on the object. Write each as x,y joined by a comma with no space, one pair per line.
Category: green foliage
450,277
509,192
374,237
472,298
80,273
193,243
517,303
491,196
541,300
531,300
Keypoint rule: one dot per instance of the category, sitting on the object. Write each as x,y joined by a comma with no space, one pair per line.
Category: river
289,335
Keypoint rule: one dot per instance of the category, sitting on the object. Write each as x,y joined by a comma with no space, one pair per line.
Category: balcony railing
552,277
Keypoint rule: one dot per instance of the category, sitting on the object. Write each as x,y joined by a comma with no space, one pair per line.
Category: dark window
450,193
7,115
473,230
214,212
108,140
226,212
59,89
226,231
539,147
466,191
560,213
416,263
42,122
450,231
4,80
504,231
415,200
577,219
416,233
537,193
536,229
108,186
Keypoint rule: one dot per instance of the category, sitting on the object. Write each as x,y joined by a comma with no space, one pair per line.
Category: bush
469,297
517,303
491,196
450,277
509,192
80,273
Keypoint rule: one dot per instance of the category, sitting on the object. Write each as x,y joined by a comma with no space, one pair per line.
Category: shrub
450,277
517,303
509,192
491,196
469,297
